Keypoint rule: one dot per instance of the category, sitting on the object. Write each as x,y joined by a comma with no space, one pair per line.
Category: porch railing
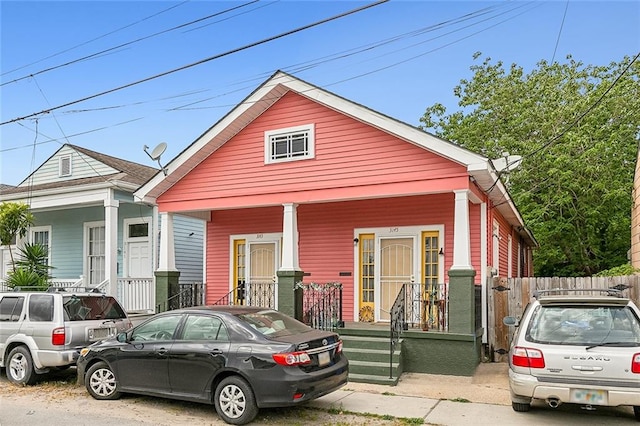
398,323
322,305
426,306
136,294
255,293
190,294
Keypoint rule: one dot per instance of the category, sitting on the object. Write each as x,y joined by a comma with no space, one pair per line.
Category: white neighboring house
97,236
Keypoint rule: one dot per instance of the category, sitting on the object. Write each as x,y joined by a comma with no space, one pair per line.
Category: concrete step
367,342
374,368
366,354
378,380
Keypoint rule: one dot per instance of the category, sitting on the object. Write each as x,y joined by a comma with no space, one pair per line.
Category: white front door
395,267
139,260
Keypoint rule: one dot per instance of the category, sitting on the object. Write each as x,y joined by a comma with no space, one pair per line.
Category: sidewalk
459,401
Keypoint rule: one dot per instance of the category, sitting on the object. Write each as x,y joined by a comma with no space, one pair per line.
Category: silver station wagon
578,349
44,330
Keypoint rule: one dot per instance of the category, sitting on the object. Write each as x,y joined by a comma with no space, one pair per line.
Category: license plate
589,396
324,358
99,333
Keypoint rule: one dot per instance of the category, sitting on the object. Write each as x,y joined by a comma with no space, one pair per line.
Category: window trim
85,245
269,134
47,229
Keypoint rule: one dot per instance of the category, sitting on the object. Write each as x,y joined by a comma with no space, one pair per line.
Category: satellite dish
507,163
156,153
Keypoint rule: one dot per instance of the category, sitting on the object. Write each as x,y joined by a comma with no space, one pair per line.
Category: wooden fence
509,297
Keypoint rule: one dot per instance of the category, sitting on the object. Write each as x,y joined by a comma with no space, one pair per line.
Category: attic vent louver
65,166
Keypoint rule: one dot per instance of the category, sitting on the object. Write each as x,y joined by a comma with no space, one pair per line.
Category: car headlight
84,351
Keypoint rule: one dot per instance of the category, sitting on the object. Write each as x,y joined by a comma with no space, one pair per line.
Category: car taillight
635,363
339,347
527,357
291,359
57,336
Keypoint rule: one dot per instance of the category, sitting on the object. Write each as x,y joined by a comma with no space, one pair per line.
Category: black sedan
238,358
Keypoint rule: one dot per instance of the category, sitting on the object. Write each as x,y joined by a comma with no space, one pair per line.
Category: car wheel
636,411
235,402
101,382
520,407
20,367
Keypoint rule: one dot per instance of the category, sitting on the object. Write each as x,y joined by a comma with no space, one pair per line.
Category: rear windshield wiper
618,344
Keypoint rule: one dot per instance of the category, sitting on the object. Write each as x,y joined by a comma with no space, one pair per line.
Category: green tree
15,220
32,269
577,129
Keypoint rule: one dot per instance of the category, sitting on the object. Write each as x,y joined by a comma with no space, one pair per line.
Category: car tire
20,366
636,411
520,407
101,382
235,402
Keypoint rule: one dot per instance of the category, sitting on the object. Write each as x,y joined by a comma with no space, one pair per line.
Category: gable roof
480,168
126,172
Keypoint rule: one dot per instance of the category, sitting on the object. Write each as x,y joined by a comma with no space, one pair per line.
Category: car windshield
273,323
584,325
85,308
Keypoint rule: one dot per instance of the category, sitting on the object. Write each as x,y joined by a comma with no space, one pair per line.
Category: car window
41,307
10,308
84,308
161,328
201,327
273,323
583,325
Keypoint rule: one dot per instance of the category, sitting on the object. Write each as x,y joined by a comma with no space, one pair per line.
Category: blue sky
397,58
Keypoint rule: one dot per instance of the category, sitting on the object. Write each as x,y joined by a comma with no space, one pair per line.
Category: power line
111,49
202,61
96,38
564,16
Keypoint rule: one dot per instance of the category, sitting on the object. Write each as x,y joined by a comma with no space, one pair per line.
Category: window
10,308
161,328
199,327
64,165
41,307
138,230
294,143
42,235
95,252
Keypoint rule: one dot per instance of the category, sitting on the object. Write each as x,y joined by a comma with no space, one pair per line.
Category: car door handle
162,351
216,352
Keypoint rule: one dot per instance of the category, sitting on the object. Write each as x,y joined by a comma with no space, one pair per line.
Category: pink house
299,184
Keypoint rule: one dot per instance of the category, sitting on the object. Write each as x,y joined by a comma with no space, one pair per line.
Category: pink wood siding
352,160
224,224
326,236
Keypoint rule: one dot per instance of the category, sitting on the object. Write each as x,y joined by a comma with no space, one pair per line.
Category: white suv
576,349
44,330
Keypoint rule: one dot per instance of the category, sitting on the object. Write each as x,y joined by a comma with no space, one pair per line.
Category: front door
396,267
139,260
256,259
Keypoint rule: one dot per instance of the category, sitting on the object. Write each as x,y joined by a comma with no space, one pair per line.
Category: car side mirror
122,337
511,321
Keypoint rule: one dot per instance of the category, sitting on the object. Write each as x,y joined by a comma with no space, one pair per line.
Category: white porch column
167,251
461,240
290,260
111,243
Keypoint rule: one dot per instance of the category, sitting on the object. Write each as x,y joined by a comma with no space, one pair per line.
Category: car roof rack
54,289
616,292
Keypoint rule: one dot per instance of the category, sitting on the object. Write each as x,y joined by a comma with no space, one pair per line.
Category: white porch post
290,261
167,260
111,243
461,240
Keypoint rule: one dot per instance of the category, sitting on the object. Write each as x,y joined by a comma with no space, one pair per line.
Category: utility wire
111,49
202,61
553,58
96,38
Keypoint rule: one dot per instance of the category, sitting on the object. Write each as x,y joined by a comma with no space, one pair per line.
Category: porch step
376,380
368,354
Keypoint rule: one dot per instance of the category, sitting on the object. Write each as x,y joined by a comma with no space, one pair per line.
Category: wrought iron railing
191,294
322,305
398,323
251,294
426,306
